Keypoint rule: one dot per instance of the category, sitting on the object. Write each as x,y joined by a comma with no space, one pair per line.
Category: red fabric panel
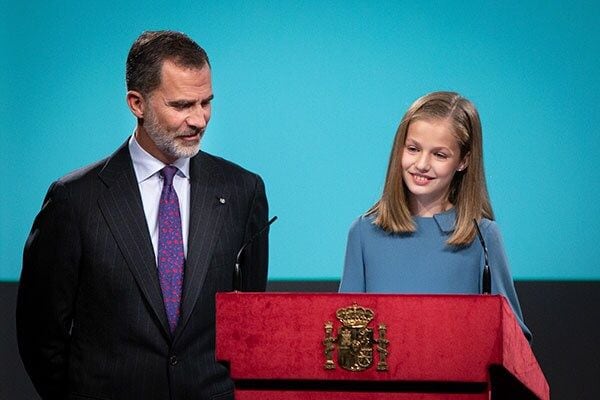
443,338
517,360
286,395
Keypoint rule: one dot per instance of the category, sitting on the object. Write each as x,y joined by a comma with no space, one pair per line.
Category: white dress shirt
147,171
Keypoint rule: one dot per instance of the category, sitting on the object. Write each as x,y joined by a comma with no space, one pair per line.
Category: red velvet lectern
314,346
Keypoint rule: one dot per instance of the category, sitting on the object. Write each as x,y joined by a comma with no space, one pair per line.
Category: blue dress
422,262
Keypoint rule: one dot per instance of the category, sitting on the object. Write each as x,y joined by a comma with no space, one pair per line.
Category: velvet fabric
441,339
322,395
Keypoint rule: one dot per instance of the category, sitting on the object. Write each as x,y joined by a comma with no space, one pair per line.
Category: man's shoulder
83,173
77,184
219,164
112,165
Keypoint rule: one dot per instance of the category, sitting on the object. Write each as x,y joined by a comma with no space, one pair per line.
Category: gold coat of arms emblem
355,340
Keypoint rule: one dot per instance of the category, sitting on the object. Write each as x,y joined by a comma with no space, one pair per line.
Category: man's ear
136,103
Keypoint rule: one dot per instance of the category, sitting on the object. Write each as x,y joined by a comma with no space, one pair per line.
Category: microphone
237,272
486,280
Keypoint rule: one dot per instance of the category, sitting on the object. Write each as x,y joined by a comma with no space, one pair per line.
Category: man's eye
181,106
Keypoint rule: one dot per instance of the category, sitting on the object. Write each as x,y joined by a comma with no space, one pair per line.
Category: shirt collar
446,220
146,165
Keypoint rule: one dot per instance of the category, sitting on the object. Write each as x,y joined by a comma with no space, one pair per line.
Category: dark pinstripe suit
90,318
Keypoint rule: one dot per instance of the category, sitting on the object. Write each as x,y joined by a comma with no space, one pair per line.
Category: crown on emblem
355,316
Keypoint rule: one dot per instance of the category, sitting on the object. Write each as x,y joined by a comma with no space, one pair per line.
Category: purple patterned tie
170,247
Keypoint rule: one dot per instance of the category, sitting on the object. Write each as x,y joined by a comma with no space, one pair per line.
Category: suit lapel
121,206
207,188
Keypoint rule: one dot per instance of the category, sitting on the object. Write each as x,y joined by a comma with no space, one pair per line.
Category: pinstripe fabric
90,318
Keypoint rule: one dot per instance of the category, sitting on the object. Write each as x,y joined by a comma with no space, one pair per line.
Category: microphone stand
486,280
237,271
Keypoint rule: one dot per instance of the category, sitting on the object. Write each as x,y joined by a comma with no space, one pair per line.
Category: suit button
173,360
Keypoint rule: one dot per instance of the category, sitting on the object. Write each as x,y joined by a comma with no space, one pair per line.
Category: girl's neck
418,209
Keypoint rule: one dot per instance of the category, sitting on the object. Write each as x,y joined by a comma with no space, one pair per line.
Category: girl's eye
411,149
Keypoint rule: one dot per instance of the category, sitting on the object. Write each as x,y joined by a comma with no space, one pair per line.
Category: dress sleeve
353,278
502,282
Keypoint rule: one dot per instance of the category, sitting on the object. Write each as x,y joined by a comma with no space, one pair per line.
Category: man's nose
198,118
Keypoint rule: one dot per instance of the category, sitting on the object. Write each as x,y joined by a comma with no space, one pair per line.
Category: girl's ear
464,163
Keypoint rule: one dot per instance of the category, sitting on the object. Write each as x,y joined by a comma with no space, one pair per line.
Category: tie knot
168,173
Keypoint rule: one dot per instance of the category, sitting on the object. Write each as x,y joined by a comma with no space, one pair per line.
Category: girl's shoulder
364,225
489,228
362,222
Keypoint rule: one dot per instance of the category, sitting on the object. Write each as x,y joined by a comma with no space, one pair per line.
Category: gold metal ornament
355,341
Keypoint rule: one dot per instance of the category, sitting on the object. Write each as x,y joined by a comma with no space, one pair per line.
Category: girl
420,236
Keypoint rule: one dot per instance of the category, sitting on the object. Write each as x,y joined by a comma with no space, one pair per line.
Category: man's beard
167,142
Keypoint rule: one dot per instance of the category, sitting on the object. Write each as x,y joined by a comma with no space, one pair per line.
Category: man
120,270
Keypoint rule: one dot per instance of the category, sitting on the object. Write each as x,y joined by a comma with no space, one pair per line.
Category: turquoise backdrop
309,95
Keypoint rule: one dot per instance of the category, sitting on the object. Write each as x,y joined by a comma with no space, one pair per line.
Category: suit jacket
91,322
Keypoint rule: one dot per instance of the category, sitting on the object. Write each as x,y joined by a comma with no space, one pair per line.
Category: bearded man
120,270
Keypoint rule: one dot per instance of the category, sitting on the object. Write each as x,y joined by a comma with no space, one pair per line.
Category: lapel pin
221,200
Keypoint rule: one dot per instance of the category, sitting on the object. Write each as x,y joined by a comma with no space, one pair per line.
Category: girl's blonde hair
468,191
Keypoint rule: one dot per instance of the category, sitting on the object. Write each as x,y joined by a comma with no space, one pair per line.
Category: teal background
309,95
